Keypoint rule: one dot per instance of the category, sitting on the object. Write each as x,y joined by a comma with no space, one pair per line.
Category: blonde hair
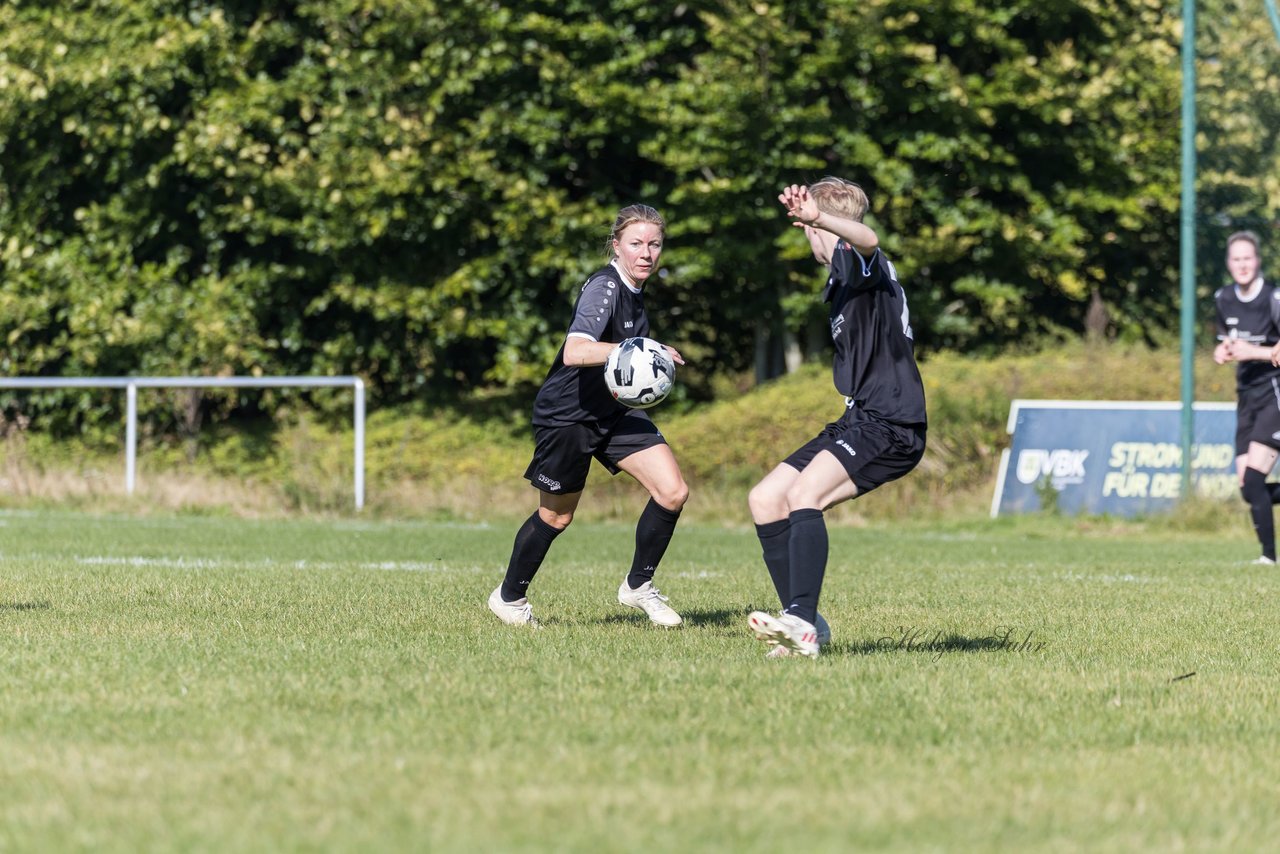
630,215
840,197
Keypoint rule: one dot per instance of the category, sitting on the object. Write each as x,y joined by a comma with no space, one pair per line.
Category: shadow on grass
695,617
736,617
25,606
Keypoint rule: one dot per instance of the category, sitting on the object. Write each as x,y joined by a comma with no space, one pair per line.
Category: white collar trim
1255,286
625,280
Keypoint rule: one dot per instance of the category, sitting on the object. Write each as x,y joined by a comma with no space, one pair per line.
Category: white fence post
359,443
130,437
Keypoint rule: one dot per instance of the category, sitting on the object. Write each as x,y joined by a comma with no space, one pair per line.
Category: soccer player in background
879,437
1249,335
575,418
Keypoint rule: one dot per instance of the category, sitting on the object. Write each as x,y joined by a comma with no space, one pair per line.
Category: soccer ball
640,373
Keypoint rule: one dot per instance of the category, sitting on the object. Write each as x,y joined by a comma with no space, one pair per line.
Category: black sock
532,541
1274,489
1259,497
653,533
775,542
808,562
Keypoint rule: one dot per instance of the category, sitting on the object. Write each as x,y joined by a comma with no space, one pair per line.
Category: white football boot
517,613
647,598
787,630
824,638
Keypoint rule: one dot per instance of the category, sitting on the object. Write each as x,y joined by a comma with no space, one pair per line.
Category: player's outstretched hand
800,206
675,354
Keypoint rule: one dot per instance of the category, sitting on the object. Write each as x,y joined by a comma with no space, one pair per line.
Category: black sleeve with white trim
595,309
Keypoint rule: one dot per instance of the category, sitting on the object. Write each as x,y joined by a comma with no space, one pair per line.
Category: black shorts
1258,416
872,451
562,455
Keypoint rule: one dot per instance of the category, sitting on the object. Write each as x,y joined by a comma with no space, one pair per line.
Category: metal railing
132,384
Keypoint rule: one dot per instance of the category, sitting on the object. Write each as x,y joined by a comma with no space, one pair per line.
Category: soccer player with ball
578,415
879,437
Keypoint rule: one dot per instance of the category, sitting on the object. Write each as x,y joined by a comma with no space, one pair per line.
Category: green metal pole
1275,16
1188,272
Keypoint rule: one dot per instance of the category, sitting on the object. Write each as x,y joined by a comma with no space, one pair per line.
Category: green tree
413,190
1020,159
1239,134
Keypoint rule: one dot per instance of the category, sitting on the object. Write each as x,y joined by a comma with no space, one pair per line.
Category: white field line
228,563
188,521
1127,578
205,563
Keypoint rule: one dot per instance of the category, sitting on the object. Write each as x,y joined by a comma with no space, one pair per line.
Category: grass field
197,683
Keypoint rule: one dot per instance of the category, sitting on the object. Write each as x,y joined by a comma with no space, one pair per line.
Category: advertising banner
1115,457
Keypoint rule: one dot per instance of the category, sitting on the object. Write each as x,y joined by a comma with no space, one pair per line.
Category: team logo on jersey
837,323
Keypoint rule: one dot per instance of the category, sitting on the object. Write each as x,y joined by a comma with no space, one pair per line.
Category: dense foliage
412,190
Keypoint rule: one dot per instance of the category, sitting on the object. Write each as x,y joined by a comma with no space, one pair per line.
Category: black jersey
875,363
1257,321
606,310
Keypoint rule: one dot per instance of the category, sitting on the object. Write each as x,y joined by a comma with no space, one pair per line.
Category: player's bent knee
1255,487
559,521
799,498
766,505
673,496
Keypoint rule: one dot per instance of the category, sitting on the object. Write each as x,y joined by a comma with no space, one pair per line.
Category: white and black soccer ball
640,373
